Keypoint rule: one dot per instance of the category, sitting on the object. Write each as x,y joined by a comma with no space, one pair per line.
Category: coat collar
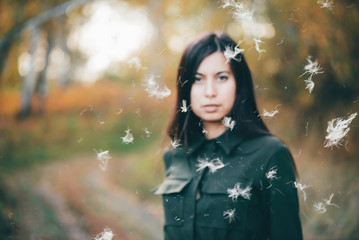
227,141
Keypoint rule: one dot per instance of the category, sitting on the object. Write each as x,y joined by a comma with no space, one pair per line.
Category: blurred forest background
72,76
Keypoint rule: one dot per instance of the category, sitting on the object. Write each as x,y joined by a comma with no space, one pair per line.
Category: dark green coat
197,204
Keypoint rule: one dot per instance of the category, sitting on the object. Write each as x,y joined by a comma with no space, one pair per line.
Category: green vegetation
59,134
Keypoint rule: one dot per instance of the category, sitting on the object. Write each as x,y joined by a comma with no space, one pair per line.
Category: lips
210,107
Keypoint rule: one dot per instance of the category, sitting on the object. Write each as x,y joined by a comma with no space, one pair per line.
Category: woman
230,178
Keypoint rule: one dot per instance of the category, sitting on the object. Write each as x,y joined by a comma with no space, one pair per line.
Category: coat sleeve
281,197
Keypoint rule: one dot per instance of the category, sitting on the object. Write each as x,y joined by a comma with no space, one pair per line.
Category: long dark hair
184,125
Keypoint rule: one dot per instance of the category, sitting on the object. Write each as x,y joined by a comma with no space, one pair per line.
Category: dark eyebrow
197,73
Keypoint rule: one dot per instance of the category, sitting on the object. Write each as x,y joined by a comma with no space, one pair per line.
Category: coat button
191,217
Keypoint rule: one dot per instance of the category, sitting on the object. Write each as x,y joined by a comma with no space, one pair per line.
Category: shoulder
274,147
267,144
266,152
278,156
269,141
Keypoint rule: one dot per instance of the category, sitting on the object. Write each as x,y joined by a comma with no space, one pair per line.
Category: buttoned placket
191,202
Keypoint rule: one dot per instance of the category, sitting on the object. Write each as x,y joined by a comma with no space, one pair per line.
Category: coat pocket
216,209
172,196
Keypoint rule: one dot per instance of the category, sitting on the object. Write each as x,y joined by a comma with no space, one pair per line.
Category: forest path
75,199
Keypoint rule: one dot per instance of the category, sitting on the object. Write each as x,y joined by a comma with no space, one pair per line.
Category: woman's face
214,91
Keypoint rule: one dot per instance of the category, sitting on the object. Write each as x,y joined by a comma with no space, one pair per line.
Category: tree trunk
30,78
66,74
155,10
42,81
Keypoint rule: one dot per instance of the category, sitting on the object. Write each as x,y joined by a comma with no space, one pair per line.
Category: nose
210,89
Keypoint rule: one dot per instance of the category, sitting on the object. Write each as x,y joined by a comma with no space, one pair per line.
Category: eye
197,79
222,78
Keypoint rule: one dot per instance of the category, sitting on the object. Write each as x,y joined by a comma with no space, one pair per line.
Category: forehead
213,63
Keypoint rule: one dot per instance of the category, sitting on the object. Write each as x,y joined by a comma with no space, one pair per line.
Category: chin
213,118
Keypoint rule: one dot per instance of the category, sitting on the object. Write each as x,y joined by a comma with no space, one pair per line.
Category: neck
213,129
